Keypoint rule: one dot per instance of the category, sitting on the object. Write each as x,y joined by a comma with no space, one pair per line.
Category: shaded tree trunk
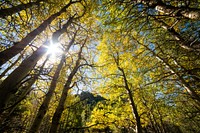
7,69
60,108
133,106
9,85
135,112
19,46
43,108
18,8
130,95
153,123
17,98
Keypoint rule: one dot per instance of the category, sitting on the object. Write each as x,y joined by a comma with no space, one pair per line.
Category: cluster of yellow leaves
112,116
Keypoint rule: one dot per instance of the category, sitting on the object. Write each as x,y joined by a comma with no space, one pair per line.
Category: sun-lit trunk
7,69
178,11
187,87
183,43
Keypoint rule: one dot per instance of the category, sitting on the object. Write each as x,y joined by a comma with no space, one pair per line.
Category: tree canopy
100,66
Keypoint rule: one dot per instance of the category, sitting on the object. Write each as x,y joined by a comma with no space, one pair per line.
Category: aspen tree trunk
60,108
190,13
152,123
43,108
160,6
9,85
18,8
187,87
25,90
133,106
19,46
182,42
135,112
7,69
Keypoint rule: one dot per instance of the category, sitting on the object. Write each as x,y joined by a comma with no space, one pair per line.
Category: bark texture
133,106
60,108
9,85
188,88
183,43
43,108
189,13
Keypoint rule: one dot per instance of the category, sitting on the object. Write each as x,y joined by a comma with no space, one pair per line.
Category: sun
54,51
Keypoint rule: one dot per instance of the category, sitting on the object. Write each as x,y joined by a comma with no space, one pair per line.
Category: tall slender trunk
7,69
184,43
43,108
25,90
133,106
188,88
152,123
18,8
135,112
190,13
60,108
19,46
8,86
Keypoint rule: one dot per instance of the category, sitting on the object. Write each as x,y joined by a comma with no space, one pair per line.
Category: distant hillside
90,98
